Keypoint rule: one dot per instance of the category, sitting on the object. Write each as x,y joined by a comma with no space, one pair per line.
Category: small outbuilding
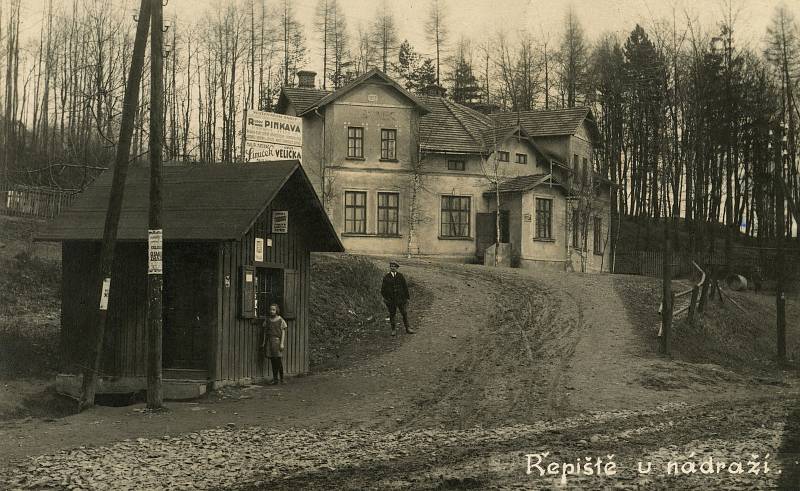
237,237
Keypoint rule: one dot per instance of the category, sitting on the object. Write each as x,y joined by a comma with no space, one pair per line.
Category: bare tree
573,58
436,31
294,49
367,52
384,32
322,26
340,53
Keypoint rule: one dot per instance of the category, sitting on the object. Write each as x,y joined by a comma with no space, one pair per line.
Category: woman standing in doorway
274,342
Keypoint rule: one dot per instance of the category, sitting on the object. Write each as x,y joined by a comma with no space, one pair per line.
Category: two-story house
405,174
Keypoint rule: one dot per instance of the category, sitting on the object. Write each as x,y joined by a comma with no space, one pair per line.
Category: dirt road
507,365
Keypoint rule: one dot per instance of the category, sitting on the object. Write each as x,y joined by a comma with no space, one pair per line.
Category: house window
598,236
388,213
576,218
355,212
388,144
522,158
502,156
455,216
355,142
544,218
585,170
455,165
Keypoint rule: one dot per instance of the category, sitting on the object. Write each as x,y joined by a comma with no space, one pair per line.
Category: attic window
455,165
502,156
522,158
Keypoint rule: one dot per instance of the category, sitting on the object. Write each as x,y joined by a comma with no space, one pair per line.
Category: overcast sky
476,19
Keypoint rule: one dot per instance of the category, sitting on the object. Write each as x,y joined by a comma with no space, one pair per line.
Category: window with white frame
388,144
455,216
355,212
597,234
388,213
355,142
544,218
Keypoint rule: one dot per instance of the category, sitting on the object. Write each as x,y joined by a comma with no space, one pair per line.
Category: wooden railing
35,202
698,292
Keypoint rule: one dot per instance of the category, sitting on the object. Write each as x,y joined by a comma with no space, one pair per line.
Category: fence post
703,296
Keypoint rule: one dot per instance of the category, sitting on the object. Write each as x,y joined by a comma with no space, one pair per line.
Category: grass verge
739,339
347,314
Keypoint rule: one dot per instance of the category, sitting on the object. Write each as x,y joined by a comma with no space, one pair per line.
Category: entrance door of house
189,297
486,229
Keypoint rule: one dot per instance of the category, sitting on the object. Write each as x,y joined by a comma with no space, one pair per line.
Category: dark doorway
486,229
189,297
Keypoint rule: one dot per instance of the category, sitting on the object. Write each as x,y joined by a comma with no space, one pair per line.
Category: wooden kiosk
237,237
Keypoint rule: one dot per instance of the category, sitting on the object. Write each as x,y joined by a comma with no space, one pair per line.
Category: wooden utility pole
155,278
103,279
666,294
780,296
729,172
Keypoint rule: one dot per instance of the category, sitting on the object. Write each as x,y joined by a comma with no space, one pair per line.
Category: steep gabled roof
552,122
300,97
451,127
374,73
200,202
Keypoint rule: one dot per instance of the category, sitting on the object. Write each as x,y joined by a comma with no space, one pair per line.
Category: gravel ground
258,457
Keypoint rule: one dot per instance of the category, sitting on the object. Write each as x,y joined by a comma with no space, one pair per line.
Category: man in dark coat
395,294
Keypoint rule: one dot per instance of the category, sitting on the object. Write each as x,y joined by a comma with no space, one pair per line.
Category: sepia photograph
399,245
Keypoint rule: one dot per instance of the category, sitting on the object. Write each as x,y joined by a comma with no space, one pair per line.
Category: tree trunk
103,279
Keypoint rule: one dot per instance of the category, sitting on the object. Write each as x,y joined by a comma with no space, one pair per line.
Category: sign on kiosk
272,136
280,221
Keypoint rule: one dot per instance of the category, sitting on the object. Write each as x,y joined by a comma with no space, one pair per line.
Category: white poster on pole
105,291
155,264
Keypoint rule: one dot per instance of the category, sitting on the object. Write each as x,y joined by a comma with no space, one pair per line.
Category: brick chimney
306,79
434,90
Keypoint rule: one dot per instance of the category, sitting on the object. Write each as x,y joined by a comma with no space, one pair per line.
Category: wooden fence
650,263
35,202
748,261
